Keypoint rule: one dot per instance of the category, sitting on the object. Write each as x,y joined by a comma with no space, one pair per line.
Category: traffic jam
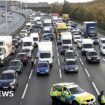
45,35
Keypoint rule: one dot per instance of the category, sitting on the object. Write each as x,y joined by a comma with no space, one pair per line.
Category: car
101,42
64,48
71,94
102,50
9,79
76,38
70,54
70,65
95,40
23,57
42,67
16,65
48,35
15,42
27,51
92,57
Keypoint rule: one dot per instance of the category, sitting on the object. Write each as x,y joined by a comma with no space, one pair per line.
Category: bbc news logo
6,93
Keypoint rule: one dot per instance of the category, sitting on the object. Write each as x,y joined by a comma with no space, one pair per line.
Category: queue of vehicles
39,34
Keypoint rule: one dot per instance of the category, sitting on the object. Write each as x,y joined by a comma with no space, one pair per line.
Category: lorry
5,48
86,45
27,43
45,52
66,39
65,17
90,28
60,27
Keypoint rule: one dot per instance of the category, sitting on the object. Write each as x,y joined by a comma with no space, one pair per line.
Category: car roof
15,60
67,85
9,71
70,60
69,51
42,62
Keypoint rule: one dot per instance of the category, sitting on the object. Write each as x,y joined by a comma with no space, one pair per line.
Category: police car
72,94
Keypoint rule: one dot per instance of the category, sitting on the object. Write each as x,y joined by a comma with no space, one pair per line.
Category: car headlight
82,100
98,57
89,58
12,83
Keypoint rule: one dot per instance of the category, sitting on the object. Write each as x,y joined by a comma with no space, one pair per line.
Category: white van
87,45
66,39
27,43
35,38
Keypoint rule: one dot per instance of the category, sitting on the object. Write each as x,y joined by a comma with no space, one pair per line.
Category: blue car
42,68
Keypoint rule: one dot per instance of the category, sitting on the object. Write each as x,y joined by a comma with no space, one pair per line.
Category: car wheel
75,103
54,101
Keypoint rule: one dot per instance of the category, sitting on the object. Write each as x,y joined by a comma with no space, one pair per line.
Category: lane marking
58,62
95,88
57,54
77,53
60,73
103,59
73,47
81,61
30,74
24,91
87,72
56,48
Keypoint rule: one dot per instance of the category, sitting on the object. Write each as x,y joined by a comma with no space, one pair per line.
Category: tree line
94,11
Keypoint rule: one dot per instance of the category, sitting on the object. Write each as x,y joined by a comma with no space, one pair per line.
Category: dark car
23,57
48,35
9,80
64,48
92,57
95,40
42,67
70,65
15,42
70,54
16,65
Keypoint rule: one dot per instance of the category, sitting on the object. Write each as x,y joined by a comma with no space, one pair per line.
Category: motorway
17,21
34,90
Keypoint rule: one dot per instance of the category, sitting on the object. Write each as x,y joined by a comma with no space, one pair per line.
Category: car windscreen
91,53
35,39
42,65
61,30
27,43
76,90
68,54
66,41
7,76
15,63
103,41
20,55
70,62
65,47
26,50
45,55
87,46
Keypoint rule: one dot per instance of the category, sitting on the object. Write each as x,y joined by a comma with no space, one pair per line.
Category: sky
61,1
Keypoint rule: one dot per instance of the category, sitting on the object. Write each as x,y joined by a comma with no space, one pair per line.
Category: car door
65,96
58,90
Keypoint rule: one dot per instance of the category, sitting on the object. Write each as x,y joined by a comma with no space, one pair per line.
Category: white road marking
30,74
60,73
24,91
73,47
95,88
81,61
57,54
58,62
77,53
87,72
56,48
103,59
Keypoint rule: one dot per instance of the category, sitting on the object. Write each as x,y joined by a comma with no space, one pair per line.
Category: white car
76,38
102,50
23,32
